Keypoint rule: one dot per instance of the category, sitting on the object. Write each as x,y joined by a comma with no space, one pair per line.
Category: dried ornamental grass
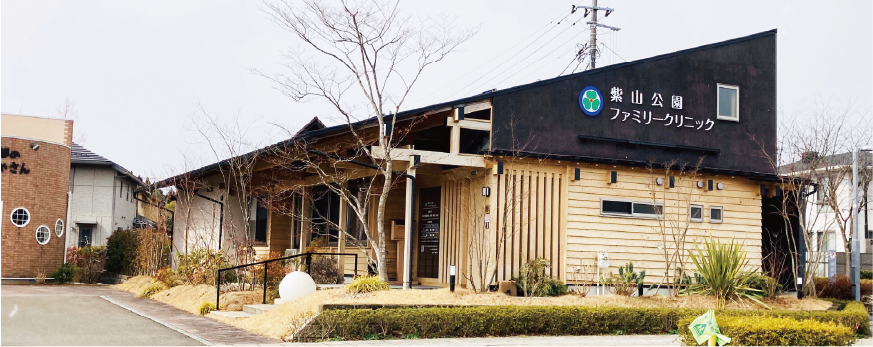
366,284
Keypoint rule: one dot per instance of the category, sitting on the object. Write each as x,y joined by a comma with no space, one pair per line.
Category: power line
548,25
518,62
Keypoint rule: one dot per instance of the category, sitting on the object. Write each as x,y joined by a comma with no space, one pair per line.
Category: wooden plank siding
633,239
528,207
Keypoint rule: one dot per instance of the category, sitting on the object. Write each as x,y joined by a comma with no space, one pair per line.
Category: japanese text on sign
657,100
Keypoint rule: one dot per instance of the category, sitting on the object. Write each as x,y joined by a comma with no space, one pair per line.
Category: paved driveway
77,315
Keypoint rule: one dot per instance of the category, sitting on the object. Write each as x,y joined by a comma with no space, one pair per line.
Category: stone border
198,339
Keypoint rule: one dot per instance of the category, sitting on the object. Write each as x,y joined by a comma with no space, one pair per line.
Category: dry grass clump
191,297
134,284
285,319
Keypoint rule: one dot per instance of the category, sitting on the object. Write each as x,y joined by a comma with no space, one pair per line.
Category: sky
140,73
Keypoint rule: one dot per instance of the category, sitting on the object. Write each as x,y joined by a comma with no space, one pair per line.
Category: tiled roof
83,156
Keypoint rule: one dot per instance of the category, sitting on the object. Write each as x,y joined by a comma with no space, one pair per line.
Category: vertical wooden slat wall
528,209
454,225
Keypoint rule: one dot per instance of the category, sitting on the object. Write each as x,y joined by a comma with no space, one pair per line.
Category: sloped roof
841,159
316,129
83,156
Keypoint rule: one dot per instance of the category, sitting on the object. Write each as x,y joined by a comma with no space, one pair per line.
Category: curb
198,339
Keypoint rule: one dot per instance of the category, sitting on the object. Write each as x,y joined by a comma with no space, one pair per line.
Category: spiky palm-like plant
722,267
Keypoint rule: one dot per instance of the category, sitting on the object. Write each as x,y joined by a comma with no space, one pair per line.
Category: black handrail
265,262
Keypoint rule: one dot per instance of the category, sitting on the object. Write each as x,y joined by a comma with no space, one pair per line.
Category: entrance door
84,236
429,232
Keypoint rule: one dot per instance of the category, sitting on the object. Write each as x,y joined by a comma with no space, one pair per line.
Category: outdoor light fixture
577,174
672,181
452,278
709,185
499,167
486,191
34,146
659,181
613,177
699,184
720,186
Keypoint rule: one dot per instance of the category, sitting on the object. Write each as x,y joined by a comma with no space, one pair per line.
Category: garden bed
190,297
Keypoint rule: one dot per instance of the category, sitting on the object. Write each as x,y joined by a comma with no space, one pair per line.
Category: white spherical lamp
295,285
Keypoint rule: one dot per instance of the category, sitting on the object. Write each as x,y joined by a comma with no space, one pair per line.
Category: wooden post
407,249
306,214
341,242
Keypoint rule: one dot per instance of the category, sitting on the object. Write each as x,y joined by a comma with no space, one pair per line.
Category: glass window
258,222
20,217
59,228
617,207
728,102
715,214
631,209
696,213
43,234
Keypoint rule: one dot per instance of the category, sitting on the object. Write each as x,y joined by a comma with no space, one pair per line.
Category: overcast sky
137,71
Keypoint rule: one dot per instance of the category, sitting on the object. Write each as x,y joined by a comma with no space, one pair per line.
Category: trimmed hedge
537,320
775,331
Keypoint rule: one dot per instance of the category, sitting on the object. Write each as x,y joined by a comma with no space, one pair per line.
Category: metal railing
308,262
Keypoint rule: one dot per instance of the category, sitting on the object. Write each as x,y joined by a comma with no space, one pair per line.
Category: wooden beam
474,124
429,157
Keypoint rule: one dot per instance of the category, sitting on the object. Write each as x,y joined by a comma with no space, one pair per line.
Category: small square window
696,213
715,214
728,103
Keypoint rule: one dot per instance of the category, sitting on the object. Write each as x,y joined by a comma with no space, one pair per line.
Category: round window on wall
43,234
20,217
59,228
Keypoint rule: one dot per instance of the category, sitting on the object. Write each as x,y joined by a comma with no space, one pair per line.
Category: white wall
196,220
96,200
825,219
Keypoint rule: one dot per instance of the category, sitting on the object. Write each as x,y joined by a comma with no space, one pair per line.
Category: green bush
775,331
722,268
626,282
841,289
205,307
151,289
366,284
533,281
64,273
538,320
121,248
762,283
201,266
867,274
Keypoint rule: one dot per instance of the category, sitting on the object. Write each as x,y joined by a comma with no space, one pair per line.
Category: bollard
452,278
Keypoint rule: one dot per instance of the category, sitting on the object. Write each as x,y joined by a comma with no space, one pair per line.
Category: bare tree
362,58
674,184
67,110
813,157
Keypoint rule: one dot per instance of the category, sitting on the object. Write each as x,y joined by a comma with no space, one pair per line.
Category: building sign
15,167
643,109
591,101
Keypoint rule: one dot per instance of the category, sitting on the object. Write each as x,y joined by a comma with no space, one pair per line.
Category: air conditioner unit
289,252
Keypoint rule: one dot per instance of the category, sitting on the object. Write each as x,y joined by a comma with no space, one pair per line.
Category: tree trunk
381,236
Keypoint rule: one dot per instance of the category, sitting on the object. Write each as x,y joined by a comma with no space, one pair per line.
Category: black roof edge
403,115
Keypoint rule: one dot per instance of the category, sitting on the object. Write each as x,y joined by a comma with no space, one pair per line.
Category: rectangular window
258,223
716,214
728,102
297,220
696,213
325,215
620,208
85,236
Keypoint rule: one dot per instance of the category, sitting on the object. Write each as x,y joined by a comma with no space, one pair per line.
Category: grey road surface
65,315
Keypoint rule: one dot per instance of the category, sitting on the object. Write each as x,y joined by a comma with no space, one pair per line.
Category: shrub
533,281
775,331
366,284
205,307
121,252
554,287
64,273
89,260
325,270
169,277
626,282
766,284
151,289
867,274
841,289
721,267
201,266
538,320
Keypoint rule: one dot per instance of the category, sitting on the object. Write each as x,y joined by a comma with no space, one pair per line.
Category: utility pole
592,25
856,227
